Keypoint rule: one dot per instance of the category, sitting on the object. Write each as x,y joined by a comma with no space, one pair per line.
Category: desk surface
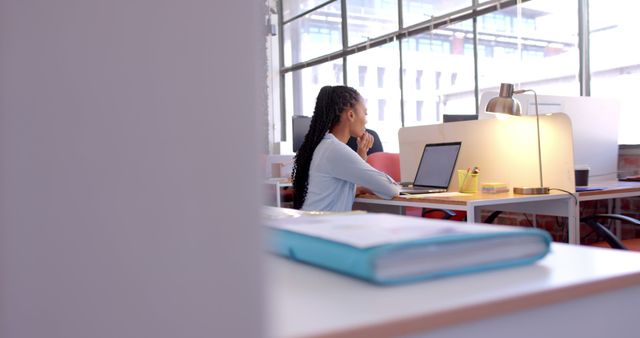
307,301
557,203
450,198
612,189
279,180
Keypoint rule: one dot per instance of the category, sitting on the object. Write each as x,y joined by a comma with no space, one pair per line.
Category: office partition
505,150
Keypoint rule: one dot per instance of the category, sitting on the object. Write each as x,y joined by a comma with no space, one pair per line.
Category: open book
393,249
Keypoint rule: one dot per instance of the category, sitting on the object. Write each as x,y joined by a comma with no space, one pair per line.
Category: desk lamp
505,103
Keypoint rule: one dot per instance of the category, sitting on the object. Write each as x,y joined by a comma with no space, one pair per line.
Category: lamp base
530,190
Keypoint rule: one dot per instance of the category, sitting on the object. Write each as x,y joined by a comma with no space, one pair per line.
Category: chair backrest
300,127
388,163
458,117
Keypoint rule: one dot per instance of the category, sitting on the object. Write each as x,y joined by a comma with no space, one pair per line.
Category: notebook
435,169
392,249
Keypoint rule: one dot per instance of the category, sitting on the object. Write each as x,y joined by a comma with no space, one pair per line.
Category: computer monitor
300,127
458,117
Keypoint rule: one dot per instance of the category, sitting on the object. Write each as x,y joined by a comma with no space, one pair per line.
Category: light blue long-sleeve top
334,173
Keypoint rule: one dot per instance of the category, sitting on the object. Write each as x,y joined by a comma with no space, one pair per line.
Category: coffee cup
582,175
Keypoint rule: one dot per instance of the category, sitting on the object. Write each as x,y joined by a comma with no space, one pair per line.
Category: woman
326,171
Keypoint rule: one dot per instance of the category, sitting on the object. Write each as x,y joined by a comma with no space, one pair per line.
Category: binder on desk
394,249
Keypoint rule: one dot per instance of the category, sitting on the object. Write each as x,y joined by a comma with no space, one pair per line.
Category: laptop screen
437,164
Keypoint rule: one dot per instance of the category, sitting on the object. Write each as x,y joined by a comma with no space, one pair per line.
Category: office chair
299,127
611,240
389,163
458,117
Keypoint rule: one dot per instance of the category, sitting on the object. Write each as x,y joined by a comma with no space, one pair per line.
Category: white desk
556,204
560,296
613,190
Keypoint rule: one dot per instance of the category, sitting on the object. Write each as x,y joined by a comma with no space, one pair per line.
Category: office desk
612,190
556,204
560,296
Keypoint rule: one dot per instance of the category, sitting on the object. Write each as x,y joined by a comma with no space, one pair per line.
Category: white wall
119,214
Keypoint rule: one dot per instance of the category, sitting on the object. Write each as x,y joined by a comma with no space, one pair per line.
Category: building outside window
615,62
439,69
381,71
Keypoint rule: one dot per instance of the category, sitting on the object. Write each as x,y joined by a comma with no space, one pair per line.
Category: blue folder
453,253
588,188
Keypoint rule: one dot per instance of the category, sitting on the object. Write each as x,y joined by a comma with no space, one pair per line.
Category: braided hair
330,104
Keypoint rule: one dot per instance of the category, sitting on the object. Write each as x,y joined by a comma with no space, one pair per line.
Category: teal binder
458,249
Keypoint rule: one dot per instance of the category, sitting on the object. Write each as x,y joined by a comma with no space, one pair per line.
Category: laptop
435,169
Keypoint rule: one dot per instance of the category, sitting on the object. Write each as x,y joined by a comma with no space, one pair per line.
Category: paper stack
494,188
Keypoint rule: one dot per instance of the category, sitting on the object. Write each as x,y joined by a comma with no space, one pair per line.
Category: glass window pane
291,8
615,59
533,46
374,73
313,35
370,19
438,75
302,88
415,11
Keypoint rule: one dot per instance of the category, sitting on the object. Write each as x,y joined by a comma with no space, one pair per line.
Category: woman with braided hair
326,171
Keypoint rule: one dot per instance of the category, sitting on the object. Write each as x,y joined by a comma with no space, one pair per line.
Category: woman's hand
365,142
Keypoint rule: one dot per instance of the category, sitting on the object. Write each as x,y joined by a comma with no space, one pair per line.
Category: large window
615,60
302,88
291,8
438,74
534,45
368,19
416,11
415,60
374,73
313,35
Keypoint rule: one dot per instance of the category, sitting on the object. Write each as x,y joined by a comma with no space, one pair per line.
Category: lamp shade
504,103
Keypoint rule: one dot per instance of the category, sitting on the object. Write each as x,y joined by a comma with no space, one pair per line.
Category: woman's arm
347,165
